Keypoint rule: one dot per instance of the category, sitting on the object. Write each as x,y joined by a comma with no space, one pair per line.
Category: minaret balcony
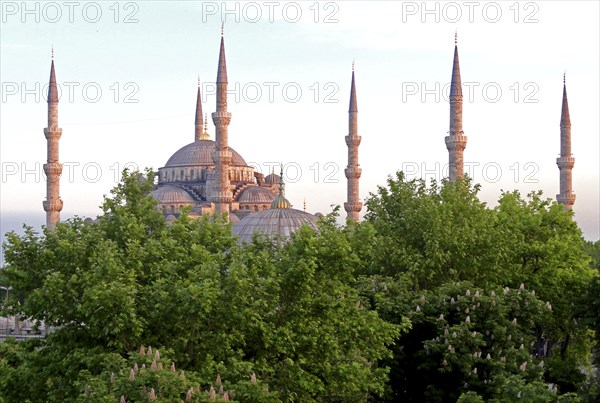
352,141
353,206
52,133
53,205
221,118
53,168
566,198
456,138
565,162
222,196
353,172
456,142
222,156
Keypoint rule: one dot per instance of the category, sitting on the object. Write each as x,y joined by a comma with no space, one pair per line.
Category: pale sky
128,73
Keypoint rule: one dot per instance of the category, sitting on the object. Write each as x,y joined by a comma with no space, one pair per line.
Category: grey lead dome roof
172,194
199,153
272,178
274,223
255,194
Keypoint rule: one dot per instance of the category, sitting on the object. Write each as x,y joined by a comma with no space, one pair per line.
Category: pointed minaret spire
566,161
221,195
199,122
222,72
353,171
53,169
456,141
52,88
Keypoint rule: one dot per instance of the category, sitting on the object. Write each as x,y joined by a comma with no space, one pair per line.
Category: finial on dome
198,80
565,77
52,52
281,179
305,204
280,201
455,37
353,65
222,28
205,135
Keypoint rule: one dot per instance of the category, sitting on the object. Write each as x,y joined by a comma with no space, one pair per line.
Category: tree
151,376
433,234
547,252
287,312
464,338
428,238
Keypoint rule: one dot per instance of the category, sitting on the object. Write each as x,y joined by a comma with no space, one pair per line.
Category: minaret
456,141
353,170
566,161
53,169
198,122
222,195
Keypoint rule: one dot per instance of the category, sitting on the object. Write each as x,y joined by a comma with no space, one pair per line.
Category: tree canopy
434,296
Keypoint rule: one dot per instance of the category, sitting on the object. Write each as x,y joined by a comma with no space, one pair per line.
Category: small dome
274,223
272,179
281,202
199,153
172,194
255,194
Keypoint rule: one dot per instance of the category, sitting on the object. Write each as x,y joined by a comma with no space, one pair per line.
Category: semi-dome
172,194
255,194
274,223
199,153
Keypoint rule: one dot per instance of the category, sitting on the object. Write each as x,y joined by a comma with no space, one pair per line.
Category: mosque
210,177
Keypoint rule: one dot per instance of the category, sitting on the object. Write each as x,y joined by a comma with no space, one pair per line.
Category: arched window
182,174
192,174
172,208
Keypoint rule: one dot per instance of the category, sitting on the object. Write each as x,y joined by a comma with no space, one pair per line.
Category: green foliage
433,234
593,249
470,397
287,312
425,240
150,375
465,338
434,297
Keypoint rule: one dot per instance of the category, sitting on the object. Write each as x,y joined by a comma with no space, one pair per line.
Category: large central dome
199,153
